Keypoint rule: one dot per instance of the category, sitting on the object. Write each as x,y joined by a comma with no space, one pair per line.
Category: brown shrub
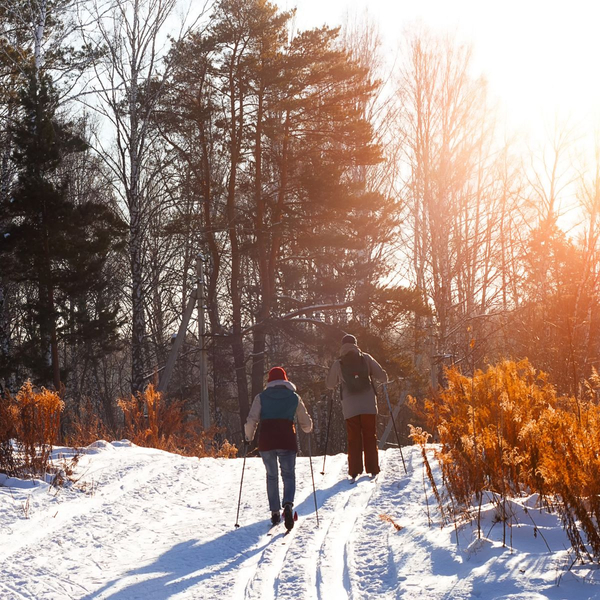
151,422
505,430
37,425
86,427
29,426
8,417
482,423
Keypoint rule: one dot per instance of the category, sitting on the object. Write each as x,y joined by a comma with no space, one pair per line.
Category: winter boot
275,517
288,516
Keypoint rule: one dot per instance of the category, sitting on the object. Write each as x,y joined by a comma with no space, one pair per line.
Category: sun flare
540,57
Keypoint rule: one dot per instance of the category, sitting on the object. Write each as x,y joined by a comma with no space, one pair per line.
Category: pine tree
55,249
272,130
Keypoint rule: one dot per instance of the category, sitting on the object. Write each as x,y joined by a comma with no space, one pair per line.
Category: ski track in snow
141,523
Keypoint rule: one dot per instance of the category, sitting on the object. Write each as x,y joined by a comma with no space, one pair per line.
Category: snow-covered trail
141,523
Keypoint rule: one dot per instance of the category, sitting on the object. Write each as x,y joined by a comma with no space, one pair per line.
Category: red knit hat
277,373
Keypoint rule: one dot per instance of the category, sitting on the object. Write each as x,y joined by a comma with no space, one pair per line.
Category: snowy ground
141,523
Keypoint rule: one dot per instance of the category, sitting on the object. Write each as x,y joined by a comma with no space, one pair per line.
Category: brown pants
362,437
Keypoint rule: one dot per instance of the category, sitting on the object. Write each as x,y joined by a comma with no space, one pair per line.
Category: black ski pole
237,524
328,427
387,397
313,479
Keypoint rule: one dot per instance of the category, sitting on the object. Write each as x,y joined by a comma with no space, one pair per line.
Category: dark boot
288,516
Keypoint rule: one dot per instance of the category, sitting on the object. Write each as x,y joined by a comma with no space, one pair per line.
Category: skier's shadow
185,565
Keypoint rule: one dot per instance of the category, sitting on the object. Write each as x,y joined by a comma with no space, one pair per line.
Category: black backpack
355,372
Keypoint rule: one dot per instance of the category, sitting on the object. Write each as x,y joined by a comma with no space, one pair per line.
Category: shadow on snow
191,562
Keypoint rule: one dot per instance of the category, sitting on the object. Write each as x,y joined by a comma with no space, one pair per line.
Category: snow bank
143,523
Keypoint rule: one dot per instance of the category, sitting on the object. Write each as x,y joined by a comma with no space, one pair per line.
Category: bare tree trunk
131,32
4,325
587,290
262,234
5,317
48,315
237,343
209,238
443,124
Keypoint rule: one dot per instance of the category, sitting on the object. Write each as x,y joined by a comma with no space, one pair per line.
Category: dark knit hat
277,373
349,339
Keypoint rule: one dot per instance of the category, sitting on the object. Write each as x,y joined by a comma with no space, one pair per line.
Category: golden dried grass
151,422
30,426
507,431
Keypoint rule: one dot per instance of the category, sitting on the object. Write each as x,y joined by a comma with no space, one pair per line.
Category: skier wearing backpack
354,372
275,408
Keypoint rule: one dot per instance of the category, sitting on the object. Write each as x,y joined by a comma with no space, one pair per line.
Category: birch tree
129,84
588,292
452,200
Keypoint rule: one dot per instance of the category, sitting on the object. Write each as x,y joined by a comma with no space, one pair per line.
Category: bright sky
539,56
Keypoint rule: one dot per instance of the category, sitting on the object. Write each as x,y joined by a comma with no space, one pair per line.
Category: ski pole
313,479
387,397
328,427
237,524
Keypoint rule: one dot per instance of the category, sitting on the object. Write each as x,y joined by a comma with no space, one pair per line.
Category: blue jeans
287,463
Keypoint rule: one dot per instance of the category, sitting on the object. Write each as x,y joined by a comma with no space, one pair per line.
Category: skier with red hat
275,409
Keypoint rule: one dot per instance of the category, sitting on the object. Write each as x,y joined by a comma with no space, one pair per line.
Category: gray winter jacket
361,403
